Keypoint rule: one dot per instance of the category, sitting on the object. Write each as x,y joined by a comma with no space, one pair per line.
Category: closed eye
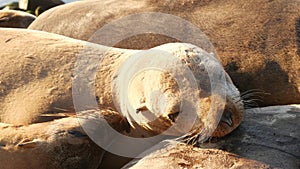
173,116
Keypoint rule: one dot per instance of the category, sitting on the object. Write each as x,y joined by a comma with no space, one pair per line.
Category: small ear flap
4,19
142,107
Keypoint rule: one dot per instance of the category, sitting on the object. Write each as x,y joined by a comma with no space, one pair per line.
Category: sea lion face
157,97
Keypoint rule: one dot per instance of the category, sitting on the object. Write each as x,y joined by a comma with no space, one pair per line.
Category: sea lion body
42,80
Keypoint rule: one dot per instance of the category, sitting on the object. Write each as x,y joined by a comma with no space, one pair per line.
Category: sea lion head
15,19
191,96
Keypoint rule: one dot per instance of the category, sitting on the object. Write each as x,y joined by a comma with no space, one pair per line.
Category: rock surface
15,19
258,41
270,135
267,138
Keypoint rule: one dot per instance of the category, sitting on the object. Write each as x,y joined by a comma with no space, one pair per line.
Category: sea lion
57,144
15,19
254,59
40,81
171,154
38,6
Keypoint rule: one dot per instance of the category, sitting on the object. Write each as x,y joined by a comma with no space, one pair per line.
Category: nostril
173,116
226,118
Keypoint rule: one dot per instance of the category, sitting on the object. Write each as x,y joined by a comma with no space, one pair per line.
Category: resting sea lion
41,73
15,19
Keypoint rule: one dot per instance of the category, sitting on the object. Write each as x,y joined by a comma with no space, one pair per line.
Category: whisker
252,91
253,100
193,140
251,95
240,100
254,95
250,104
62,109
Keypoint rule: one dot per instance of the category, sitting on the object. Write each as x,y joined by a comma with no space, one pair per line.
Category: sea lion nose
226,118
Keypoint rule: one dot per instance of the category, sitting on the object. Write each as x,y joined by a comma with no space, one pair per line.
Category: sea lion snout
231,117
